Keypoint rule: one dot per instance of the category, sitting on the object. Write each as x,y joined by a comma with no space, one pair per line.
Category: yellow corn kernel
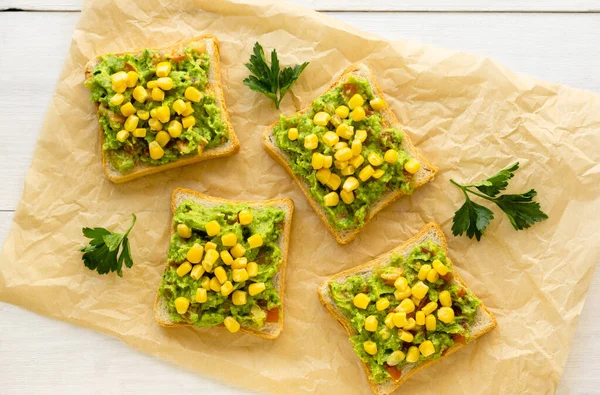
377,104
429,308
323,175
197,272
356,101
215,285
395,358
356,147
385,333
348,170
361,301
119,81
163,114
229,239
226,257
211,256
430,322
165,83
201,295
140,132
194,254
158,94
423,271
389,320
117,99
245,217
419,290
401,295
226,288
207,266
401,283
433,276
366,173
220,274
358,114
391,275
178,106
152,84
184,231
239,298
205,283
427,348
210,246
321,118
347,196
420,318
370,347
156,151
331,139
361,134
317,160
140,94
188,122
371,323
400,319
311,142
327,161
416,301
405,336
131,123
181,305
128,109
340,145
445,314
175,129
212,228
382,304
256,288
132,79
231,324
331,199
155,124
340,165
184,269
440,267
356,161
410,325
350,184
162,138
334,181
342,112
412,166
122,135
143,115
293,134
375,159
413,354
445,299
163,69
255,241
238,251
378,173
344,131
252,269
391,156
407,306
189,110
240,263
193,94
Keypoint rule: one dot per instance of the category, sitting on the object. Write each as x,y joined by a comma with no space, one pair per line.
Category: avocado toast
348,153
226,264
406,309
160,108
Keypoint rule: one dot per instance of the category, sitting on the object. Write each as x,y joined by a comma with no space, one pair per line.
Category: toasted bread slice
425,174
269,330
231,147
483,323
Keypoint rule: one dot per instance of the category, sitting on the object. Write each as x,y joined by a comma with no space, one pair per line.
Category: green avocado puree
267,222
189,69
464,304
380,138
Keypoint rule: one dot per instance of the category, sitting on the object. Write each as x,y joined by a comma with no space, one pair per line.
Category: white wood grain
379,5
42,355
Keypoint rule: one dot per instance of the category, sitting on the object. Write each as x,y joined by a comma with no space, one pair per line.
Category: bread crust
427,168
270,330
231,147
323,292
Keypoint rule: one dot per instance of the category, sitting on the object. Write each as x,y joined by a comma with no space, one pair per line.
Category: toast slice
483,321
424,175
272,327
214,86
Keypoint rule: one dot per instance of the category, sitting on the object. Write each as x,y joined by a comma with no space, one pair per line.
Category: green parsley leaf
471,218
271,80
494,185
102,252
521,210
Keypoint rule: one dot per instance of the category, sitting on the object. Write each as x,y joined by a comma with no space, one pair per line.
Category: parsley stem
131,227
465,189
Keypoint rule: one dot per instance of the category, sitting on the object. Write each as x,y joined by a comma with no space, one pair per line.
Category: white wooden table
556,40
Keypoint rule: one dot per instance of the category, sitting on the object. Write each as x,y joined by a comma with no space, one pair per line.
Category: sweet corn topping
331,199
429,308
370,347
226,257
311,142
420,318
293,134
155,124
350,184
163,69
323,175
194,254
400,319
347,196
407,306
132,79
122,135
252,269
377,104
117,99
423,271
427,348
412,166
445,299
239,298
188,122
385,333
375,159
207,266
361,135
175,129
231,324
181,305
401,283
395,358
139,132
382,304
378,174
341,165
348,170
165,83
344,154
340,145
239,275
197,272
128,109
357,161
433,276
239,263
156,151
430,323
410,325
361,301
179,106
356,101
440,267
131,123
215,285
358,114
220,274
162,138
345,131
152,84
143,115
158,94
327,161
210,246
389,321
212,228
391,156
331,138
317,160
445,314
342,112
229,239
211,256
119,81
413,354
321,118
193,94
238,251
419,290
366,173
255,241
184,231
356,147
401,295
256,288
245,217
201,295
226,288
371,323
405,336
205,283
163,114
189,110
184,269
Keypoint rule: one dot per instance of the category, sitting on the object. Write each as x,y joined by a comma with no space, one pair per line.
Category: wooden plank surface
379,5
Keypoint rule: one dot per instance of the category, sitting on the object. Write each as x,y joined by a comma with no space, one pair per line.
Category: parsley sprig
272,81
473,218
102,253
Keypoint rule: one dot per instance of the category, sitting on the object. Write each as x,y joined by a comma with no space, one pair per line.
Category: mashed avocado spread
346,152
406,311
156,108
221,264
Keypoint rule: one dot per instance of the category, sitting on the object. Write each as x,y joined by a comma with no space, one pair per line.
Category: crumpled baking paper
469,115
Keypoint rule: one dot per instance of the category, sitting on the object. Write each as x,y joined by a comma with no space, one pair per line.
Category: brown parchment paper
469,115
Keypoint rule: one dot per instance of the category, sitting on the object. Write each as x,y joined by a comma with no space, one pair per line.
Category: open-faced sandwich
226,264
406,309
160,108
348,153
